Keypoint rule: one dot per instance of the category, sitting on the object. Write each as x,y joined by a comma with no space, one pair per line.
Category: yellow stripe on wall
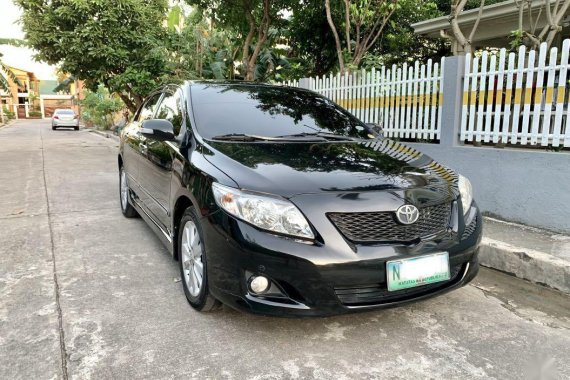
560,95
549,95
538,95
499,96
384,101
490,97
527,95
518,96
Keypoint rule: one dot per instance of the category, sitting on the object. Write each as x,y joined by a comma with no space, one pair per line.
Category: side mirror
376,129
158,129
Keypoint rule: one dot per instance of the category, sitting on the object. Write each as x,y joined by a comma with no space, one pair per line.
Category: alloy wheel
192,264
124,190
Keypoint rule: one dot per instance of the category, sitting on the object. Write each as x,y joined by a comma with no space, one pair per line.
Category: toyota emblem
407,214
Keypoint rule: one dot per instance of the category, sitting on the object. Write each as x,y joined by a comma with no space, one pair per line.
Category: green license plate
417,271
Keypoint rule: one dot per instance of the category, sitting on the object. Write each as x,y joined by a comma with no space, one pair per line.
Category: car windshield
228,111
65,112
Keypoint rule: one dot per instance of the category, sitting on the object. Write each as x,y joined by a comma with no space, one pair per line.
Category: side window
147,111
171,109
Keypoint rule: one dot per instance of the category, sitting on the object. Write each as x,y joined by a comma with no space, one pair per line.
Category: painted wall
525,186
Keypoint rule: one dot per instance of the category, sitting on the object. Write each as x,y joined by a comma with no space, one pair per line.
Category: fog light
259,284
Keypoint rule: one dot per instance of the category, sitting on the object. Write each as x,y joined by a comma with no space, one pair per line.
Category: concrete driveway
88,294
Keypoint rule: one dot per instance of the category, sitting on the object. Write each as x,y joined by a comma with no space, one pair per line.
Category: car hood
288,169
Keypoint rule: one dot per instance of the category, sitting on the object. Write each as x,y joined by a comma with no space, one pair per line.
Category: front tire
53,127
193,263
127,209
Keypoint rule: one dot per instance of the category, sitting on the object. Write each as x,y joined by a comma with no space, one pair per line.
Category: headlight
266,212
466,193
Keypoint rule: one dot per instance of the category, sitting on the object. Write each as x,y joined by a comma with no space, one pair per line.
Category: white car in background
64,118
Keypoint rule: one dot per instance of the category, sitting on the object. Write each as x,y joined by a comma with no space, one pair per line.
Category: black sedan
275,200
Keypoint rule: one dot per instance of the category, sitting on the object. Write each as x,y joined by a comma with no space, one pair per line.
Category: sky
21,58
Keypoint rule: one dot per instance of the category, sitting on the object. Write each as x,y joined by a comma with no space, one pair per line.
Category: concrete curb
535,266
105,134
7,124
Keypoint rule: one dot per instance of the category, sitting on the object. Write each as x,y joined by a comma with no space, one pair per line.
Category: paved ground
86,293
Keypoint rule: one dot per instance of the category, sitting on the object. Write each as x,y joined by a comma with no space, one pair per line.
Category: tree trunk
262,32
336,37
132,106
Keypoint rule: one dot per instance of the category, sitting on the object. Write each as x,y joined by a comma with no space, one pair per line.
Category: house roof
47,87
497,20
18,71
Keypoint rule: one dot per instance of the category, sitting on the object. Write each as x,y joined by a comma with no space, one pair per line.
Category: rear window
269,111
65,112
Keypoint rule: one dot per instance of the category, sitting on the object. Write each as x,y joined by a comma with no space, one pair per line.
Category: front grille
372,227
377,294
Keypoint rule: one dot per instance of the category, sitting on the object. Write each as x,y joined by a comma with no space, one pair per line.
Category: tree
398,43
5,70
115,43
251,20
196,49
313,43
554,15
311,38
5,73
100,107
365,20
459,38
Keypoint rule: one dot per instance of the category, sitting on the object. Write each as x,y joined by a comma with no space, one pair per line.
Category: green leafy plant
119,44
100,107
9,114
4,84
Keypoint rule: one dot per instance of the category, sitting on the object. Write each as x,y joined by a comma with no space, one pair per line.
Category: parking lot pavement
88,294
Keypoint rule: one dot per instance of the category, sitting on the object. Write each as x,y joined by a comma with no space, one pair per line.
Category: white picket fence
516,98
406,100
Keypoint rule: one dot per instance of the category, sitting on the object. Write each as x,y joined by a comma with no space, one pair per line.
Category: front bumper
326,277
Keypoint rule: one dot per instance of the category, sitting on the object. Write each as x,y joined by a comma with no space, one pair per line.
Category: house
497,23
23,98
68,98
37,98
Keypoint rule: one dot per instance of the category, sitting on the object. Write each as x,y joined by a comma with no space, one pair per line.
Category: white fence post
452,101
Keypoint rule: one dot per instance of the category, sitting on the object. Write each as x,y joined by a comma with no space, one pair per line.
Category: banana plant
5,70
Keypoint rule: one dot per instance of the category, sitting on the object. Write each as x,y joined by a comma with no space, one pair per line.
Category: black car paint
318,177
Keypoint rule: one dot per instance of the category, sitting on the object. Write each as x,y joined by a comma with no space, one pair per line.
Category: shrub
100,107
35,114
9,114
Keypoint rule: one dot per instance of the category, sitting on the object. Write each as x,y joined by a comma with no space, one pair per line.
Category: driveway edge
104,134
532,265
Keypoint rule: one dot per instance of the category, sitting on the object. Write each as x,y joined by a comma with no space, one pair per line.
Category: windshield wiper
246,137
323,135
241,137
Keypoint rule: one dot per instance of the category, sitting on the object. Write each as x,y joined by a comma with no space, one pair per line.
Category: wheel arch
181,204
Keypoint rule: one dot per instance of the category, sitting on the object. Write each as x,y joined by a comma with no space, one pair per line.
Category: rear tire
76,128
124,193
193,263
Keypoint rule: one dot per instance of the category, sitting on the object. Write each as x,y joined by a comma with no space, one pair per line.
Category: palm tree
5,69
8,73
